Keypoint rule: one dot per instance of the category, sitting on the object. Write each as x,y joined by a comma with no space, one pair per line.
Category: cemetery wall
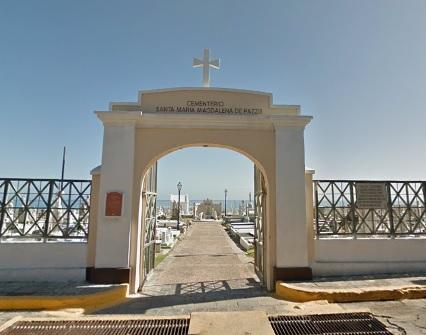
335,257
43,261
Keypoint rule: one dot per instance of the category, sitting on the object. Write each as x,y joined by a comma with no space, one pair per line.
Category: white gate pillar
292,262
111,263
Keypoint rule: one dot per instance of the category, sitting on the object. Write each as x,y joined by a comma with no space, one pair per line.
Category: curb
86,301
297,294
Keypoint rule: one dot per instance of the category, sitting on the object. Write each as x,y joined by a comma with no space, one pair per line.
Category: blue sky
357,66
205,173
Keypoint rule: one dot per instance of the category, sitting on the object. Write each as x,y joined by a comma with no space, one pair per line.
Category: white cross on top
206,63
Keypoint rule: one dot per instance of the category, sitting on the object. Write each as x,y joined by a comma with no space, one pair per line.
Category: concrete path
50,289
356,288
205,272
363,282
206,254
208,272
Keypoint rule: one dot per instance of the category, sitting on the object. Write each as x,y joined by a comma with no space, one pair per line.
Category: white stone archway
138,134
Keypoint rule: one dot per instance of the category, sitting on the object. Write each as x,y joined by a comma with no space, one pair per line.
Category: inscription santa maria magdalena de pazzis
208,107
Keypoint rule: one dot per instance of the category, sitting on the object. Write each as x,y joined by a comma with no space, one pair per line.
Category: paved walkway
206,271
46,288
356,288
365,282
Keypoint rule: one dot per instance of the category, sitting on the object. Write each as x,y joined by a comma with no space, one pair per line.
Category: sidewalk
355,288
176,287
205,272
58,295
45,288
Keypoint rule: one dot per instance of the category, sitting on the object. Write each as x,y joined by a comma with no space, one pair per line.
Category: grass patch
250,252
159,258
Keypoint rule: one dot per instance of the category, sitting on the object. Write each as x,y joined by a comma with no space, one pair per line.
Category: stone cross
206,63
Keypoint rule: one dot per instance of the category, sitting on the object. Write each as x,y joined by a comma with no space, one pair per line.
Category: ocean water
230,204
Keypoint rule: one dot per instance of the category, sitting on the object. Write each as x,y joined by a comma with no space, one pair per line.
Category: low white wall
43,261
337,257
246,245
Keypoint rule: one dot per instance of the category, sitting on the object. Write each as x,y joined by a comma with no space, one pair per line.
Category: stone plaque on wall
114,204
371,195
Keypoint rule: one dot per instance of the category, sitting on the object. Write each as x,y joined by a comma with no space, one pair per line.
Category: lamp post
179,187
226,193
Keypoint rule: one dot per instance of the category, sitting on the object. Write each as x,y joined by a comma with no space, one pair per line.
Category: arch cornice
159,120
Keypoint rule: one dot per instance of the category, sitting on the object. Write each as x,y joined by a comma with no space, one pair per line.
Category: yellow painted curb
298,294
86,301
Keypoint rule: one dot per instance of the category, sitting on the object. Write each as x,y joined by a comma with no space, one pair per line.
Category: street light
179,187
226,193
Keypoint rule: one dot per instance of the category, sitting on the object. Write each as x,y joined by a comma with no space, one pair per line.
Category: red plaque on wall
114,203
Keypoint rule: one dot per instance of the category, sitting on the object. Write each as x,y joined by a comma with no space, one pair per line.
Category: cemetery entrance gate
137,134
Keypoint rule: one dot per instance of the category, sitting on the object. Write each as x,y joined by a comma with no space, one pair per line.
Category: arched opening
150,201
138,134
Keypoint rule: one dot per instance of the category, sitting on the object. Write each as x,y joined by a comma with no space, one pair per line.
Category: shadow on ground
187,294
205,271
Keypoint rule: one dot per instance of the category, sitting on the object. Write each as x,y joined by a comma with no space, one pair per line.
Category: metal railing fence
368,208
44,209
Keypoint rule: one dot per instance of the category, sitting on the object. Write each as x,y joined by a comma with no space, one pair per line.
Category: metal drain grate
328,324
100,327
